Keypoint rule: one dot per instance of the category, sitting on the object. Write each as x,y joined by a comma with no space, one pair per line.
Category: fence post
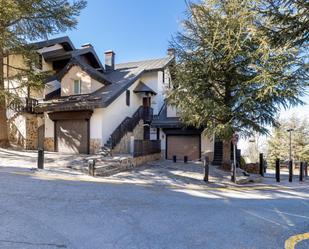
261,165
206,169
290,170
278,170
301,172
40,158
91,167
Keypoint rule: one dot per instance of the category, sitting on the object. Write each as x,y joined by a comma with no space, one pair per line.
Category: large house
88,106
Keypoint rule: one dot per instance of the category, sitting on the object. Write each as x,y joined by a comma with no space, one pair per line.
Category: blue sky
136,30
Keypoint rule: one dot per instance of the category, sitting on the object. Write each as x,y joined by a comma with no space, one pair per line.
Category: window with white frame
77,86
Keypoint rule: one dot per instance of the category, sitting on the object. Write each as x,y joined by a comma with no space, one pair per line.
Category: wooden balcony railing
26,105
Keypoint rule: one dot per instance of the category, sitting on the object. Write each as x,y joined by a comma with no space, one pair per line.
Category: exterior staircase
218,153
127,125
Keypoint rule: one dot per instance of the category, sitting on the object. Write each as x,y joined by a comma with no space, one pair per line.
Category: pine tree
20,23
287,21
229,76
279,146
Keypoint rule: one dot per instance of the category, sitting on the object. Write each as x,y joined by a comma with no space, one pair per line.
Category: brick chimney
171,52
109,60
87,45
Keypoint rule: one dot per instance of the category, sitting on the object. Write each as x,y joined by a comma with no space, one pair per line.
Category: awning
142,88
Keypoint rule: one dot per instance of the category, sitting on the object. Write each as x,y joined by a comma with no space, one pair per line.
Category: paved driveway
159,206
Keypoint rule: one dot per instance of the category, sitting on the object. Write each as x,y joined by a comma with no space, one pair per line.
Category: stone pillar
226,158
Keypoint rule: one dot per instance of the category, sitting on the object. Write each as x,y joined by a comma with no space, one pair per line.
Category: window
128,97
77,86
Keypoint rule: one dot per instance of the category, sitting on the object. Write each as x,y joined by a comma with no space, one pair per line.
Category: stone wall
23,130
95,145
31,132
49,144
111,166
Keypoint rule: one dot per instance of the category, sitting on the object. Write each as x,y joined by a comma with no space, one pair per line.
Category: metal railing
128,124
26,105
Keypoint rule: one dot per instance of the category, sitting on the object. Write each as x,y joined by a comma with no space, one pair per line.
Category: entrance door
147,101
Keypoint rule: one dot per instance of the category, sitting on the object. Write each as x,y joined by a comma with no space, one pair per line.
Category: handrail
128,124
26,105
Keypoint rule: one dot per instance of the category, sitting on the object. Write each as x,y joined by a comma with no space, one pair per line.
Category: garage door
72,136
183,146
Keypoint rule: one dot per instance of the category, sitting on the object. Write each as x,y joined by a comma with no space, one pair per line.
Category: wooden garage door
72,136
183,146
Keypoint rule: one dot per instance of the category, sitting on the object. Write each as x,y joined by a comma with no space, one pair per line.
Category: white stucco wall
117,111
96,124
49,127
207,144
171,111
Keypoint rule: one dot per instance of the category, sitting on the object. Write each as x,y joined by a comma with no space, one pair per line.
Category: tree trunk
4,141
226,160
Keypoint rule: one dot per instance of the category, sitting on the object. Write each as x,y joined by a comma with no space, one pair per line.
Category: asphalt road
44,211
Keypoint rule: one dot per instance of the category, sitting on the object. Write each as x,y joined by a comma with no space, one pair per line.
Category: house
87,106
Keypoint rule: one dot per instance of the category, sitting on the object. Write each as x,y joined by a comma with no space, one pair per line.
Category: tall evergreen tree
278,143
229,76
287,21
20,23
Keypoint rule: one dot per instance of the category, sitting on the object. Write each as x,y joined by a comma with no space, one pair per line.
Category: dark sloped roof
142,88
65,41
147,65
61,54
119,80
162,121
76,61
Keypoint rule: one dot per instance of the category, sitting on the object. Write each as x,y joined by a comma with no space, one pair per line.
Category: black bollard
91,167
261,165
277,170
40,158
290,171
301,172
185,159
306,169
206,169
174,159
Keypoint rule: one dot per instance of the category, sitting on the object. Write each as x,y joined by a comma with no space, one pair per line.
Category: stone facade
111,166
31,132
95,145
49,144
23,130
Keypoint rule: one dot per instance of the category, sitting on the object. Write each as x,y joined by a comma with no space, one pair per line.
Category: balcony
26,105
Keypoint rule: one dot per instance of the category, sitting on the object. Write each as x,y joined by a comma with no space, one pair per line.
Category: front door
147,101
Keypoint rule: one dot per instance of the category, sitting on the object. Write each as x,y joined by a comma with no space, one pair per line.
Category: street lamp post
290,157
290,131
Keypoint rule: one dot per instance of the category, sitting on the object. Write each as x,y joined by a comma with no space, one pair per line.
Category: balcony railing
26,105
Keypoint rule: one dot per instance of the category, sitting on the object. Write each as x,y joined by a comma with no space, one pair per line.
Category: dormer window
77,86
